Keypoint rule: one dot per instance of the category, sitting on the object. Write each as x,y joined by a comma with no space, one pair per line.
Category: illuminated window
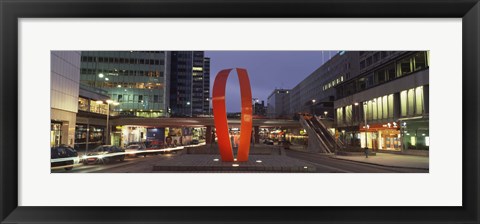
403,103
348,113
339,115
385,107
390,106
413,140
404,67
374,109
419,61
379,108
419,100
411,102
370,110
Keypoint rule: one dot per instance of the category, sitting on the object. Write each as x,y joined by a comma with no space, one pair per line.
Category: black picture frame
12,10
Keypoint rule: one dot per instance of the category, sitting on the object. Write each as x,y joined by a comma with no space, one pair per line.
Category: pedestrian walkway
213,163
391,160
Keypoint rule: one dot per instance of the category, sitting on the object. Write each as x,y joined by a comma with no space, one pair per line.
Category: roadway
323,163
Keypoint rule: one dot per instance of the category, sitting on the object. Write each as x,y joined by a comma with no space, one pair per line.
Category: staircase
319,138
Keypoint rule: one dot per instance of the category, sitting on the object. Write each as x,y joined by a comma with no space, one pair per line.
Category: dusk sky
267,70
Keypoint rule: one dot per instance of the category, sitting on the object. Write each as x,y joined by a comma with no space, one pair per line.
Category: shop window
419,100
120,98
83,104
411,102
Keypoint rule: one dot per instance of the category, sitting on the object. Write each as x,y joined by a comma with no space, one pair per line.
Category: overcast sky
267,70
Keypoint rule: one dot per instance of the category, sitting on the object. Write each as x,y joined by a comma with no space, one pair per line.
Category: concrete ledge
343,153
378,164
413,152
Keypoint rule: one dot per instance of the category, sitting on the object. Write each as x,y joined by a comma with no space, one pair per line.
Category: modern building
93,109
278,104
259,108
386,105
190,83
64,88
206,86
138,80
315,94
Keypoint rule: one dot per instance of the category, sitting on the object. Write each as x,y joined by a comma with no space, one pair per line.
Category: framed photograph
245,112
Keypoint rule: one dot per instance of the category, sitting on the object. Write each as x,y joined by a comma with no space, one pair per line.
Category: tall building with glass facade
138,80
206,86
190,83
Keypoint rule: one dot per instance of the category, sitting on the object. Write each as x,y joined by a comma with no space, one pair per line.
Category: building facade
316,93
138,80
386,105
206,86
64,88
278,104
259,108
190,83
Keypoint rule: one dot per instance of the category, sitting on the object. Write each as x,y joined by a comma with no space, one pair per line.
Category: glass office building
138,80
190,84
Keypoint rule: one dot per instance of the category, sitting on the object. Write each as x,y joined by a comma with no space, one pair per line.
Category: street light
366,127
313,107
325,112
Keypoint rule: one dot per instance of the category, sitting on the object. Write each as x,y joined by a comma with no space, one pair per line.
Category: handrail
308,126
332,138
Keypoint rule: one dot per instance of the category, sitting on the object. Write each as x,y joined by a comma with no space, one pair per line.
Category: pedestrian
366,152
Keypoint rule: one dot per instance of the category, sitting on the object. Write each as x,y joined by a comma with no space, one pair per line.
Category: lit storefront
381,136
88,136
416,134
55,134
133,134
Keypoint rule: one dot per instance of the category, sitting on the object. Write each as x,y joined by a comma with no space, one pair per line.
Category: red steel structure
220,115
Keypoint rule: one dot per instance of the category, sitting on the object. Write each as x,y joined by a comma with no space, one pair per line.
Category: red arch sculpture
220,115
